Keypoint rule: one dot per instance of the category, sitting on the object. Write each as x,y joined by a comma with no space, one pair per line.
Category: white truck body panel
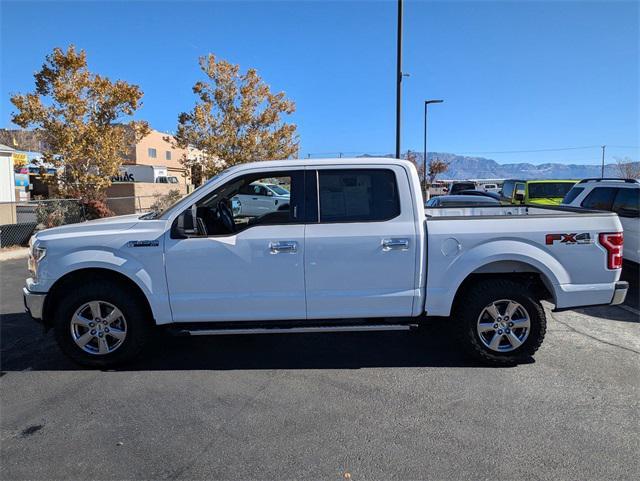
339,270
232,278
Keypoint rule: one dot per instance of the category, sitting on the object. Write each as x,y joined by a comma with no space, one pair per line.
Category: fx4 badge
582,238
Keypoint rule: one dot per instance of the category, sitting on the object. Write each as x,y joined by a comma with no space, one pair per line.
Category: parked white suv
259,198
621,196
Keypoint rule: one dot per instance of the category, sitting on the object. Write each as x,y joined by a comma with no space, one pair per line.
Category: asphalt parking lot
386,406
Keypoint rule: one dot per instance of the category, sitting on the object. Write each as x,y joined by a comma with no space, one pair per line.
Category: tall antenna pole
602,171
399,79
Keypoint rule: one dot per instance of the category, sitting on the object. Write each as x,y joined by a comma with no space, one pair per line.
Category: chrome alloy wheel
98,327
504,325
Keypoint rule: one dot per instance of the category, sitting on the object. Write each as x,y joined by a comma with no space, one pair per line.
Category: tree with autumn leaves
80,117
236,119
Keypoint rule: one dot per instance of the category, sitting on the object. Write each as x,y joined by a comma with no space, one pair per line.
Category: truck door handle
395,244
283,246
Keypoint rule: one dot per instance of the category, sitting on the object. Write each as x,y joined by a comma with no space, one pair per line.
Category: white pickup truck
355,250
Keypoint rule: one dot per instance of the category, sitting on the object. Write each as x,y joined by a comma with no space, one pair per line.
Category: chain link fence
19,220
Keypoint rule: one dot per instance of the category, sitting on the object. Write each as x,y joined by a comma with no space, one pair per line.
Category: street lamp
424,160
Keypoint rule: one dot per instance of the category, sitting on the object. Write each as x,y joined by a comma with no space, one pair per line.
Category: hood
120,222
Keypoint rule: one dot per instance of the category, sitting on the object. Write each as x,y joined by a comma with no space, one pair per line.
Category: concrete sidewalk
11,253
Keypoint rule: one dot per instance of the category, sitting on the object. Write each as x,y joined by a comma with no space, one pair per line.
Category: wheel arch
515,270
91,274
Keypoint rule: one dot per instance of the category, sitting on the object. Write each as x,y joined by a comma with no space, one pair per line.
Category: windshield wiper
150,215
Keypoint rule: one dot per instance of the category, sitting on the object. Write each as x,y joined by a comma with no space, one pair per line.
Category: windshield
549,189
278,190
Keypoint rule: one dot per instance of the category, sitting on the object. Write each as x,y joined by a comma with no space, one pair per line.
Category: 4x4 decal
575,238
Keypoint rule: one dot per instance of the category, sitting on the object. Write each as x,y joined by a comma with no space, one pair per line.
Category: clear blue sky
514,75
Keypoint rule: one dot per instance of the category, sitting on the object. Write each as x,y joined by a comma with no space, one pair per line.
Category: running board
293,329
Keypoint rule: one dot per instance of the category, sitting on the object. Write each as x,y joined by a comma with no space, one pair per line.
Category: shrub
96,209
58,212
161,202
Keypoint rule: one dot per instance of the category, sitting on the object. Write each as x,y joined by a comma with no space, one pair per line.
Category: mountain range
463,167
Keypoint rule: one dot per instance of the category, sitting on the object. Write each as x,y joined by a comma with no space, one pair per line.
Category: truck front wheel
100,325
501,322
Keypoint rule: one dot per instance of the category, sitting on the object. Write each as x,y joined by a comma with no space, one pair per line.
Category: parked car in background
490,188
166,179
258,198
462,200
481,193
454,187
621,196
542,192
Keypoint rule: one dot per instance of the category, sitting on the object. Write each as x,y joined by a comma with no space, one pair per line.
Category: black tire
471,305
138,332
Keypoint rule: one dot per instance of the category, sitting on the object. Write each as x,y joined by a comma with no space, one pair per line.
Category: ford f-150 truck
354,250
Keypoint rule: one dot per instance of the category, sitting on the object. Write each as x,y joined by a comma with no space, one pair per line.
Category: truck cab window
362,195
244,202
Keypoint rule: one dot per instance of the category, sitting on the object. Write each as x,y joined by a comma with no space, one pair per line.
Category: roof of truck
330,161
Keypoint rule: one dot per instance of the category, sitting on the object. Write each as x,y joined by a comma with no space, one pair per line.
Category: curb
14,254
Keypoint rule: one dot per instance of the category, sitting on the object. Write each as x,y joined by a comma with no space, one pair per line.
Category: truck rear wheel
501,322
100,325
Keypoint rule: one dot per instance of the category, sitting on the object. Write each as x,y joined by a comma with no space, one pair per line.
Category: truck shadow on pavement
25,346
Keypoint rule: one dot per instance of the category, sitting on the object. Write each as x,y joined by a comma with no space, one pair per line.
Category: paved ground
632,276
377,406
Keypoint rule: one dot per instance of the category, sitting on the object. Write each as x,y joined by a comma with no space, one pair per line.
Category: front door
250,269
361,255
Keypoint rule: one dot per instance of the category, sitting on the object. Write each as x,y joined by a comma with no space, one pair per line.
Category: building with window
157,149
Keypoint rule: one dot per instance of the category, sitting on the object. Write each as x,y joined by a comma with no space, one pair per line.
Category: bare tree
628,169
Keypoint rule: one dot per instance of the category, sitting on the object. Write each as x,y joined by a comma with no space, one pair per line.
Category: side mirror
269,193
519,196
185,225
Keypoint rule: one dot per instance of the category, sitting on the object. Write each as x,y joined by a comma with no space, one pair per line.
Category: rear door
360,254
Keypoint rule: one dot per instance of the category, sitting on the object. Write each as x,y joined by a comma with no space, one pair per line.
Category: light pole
602,171
398,78
424,160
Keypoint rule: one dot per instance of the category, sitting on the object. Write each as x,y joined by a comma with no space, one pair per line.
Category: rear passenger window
600,198
627,203
359,195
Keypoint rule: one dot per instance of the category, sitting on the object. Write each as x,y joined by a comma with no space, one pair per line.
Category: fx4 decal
582,238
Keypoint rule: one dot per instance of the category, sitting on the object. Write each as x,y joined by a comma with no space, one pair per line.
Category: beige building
156,149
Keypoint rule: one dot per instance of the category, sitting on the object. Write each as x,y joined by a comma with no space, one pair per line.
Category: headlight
36,254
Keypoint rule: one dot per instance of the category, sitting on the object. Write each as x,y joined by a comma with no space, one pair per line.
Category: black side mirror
184,226
519,196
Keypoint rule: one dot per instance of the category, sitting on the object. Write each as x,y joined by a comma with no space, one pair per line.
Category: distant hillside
463,167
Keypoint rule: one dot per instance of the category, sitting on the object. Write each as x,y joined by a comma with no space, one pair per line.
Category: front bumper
33,303
620,293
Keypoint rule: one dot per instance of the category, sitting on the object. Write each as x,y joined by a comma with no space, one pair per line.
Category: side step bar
291,330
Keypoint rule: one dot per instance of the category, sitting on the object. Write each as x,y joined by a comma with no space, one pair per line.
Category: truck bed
558,243
436,213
